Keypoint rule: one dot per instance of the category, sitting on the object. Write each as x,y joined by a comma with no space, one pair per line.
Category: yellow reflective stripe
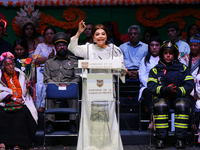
189,77
152,79
181,116
155,71
155,97
160,117
180,125
158,89
182,90
184,67
161,125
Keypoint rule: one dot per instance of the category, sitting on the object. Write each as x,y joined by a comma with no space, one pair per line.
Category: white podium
99,126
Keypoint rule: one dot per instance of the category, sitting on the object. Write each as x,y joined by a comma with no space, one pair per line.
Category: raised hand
81,26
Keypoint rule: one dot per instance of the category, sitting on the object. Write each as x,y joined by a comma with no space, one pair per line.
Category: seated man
60,68
171,83
133,51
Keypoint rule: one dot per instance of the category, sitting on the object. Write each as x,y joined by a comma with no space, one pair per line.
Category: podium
99,126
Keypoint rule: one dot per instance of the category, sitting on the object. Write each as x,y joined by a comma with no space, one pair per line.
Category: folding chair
62,93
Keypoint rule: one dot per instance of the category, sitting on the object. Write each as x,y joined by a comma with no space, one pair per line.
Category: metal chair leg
140,113
44,137
151,118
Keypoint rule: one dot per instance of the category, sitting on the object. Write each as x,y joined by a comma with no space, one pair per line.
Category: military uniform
60,70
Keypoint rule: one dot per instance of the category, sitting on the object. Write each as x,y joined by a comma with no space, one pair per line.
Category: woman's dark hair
23,36
23,44
196,37
188,32
70,32
154,38
49,27
100,26
152,31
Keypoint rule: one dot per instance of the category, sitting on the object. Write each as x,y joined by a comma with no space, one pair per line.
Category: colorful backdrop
124,15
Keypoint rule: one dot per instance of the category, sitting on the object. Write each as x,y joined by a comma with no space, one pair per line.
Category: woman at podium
99,127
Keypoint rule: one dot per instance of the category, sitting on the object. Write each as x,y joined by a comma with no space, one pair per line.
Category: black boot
160,144
180,143
49,127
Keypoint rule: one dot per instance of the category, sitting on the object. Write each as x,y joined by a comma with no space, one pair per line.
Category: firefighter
171,83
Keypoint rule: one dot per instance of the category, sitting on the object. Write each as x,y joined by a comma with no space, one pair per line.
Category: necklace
14,85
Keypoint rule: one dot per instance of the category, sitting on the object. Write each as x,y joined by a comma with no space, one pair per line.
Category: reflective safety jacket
162,75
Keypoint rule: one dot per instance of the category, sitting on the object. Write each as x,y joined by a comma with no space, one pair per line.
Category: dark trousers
161,107
147,99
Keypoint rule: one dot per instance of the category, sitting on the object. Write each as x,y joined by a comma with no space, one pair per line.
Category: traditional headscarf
195,39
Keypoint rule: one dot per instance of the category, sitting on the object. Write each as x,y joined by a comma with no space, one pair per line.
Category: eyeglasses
61,44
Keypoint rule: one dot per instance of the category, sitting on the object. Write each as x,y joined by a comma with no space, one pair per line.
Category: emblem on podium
99,83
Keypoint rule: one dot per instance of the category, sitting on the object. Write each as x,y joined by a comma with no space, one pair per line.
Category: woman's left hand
81,27
20,101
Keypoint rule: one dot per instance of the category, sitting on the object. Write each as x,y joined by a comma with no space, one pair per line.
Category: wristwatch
14,99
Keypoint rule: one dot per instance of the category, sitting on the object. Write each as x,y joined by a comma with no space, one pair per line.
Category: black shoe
160,144
72,128
180,143
49,128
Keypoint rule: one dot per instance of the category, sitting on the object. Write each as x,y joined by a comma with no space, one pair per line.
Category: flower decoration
6,55
95,2
26,61
72,15
4,21
146,16
124,37
116,30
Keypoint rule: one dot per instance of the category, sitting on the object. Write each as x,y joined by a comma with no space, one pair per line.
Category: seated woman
146,65
42,53
195,71
29,34
17,109
192,31
148,34
20,51
171,82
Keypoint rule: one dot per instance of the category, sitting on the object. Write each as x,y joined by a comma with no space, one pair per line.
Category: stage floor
126,147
